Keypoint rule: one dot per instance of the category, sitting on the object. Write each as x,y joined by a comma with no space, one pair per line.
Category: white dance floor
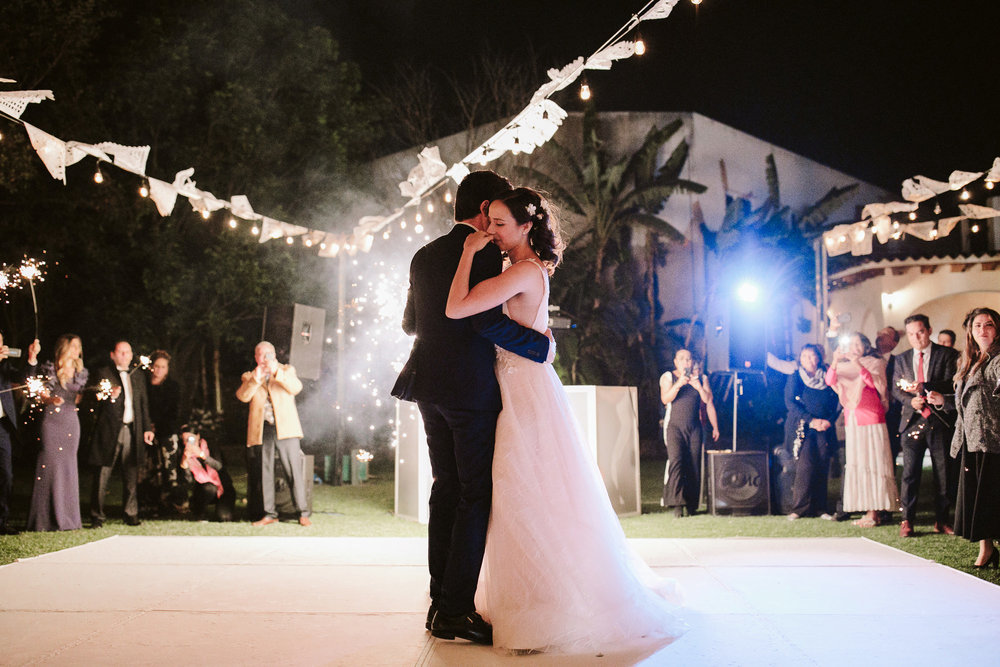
362,601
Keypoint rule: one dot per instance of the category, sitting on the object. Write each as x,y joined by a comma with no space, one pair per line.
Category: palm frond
814,216
542,181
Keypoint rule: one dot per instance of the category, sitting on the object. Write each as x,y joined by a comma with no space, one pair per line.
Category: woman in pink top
857,374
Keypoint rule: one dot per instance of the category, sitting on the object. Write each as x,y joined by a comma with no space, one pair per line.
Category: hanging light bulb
937,208
430,207
385,235
696,2
584,91
205,213
974,229
289,240
232,223
913,215
307,243
144,190
418,217
98,176
640,45
965,195
447,196
1,136
419,229
989,185
255,230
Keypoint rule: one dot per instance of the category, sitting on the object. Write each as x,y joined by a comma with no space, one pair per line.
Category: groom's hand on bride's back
552,347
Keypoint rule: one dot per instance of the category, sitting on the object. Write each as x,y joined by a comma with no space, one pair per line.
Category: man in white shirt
121,434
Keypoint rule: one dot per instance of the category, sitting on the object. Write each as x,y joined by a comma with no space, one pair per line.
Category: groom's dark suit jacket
452,360
940,373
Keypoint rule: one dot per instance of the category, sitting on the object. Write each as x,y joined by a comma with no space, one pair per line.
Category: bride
558,574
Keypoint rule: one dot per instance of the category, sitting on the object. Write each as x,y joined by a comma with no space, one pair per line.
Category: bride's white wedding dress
558,574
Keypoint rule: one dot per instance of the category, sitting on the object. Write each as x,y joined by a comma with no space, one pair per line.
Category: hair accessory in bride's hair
531,209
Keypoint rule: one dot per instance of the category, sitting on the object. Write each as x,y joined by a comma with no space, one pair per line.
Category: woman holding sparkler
55,499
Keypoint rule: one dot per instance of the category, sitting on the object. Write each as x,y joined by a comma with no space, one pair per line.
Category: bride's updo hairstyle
528,207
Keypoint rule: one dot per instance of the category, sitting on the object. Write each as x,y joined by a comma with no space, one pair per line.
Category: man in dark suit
121,433
10,377
450,376
921,376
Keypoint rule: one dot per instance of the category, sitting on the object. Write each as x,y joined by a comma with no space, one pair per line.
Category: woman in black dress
977,435
683,392
55,498
813,407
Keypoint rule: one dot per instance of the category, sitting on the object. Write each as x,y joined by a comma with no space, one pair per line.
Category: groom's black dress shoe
468,626
430,615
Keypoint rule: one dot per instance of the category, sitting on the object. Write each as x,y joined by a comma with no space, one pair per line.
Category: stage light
747,292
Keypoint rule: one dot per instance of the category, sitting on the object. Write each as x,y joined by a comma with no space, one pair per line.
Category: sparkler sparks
104,390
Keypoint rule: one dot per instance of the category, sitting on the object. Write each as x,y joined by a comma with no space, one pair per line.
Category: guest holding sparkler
10,378
121,434
55,498
162,478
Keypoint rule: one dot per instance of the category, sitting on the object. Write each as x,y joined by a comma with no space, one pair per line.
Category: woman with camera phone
684,392
857,374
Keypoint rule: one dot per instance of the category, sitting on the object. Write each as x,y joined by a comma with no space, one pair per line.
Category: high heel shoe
993,561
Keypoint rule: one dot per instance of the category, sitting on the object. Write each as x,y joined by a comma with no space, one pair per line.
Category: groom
450,376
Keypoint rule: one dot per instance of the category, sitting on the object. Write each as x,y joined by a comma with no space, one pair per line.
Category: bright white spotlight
747,292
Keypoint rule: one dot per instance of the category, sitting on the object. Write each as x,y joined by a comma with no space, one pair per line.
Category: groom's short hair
477,187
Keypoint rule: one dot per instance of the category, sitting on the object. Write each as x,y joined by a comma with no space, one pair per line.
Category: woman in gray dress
55,498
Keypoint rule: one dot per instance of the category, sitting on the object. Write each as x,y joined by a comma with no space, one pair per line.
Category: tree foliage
259,103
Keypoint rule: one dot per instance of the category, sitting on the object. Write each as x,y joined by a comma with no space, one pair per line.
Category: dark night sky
880,89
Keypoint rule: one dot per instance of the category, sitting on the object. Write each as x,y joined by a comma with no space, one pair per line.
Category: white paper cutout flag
51,150
14,102
163,194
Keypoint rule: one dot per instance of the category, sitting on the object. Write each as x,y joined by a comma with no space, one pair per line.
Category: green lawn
366,510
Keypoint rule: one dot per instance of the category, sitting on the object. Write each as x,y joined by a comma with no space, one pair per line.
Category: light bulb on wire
640,44
143,190
584,91
98,176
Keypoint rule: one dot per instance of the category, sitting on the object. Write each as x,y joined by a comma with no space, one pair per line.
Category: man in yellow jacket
273,423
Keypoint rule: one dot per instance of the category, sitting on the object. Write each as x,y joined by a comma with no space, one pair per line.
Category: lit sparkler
145,363
104,390
31,270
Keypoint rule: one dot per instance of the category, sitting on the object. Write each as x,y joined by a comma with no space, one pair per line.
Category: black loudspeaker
738,483
747,336
296,332
283,501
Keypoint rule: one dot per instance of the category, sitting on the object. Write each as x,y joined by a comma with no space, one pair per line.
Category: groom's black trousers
461,451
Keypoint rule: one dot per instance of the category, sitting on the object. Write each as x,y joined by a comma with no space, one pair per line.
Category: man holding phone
273,424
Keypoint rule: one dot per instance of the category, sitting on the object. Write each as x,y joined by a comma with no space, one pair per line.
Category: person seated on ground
211,481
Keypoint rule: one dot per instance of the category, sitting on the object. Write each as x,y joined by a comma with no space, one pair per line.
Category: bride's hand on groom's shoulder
477,240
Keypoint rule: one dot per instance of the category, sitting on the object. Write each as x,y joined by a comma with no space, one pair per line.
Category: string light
255,230
965,195
205,214
695,2
144,190
584,91
418,229
232,223
430,207
289,240
447,196
98,176
913,215
418,217
974,229
989,185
